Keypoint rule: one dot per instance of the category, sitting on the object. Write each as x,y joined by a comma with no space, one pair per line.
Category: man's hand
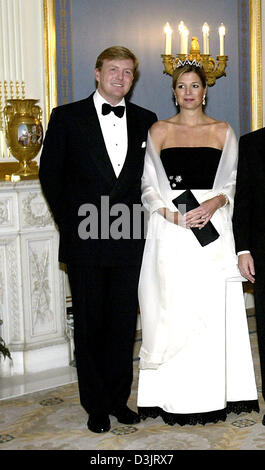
246,266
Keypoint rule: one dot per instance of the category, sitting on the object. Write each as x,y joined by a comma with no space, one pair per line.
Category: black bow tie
118,110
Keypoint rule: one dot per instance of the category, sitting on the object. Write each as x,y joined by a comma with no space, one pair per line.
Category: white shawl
156,191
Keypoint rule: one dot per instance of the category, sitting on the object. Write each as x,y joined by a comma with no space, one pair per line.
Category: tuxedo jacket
75,171
249,209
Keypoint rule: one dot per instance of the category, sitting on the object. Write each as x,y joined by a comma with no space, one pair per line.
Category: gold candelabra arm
168,63
222,61
213,68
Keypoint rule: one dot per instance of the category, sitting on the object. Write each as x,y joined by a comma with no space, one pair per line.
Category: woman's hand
200,216
173,217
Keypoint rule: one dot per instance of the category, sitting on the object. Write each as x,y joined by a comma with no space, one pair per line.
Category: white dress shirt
114,130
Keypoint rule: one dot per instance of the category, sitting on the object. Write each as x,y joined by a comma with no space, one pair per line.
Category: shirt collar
99,100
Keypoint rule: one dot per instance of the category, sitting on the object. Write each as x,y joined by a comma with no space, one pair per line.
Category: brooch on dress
177,179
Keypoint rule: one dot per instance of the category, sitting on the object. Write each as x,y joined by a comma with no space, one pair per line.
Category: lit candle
181,29
222,39
168,33
205,31
185,40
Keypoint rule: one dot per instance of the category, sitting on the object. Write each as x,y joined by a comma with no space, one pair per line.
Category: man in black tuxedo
249,226
90,171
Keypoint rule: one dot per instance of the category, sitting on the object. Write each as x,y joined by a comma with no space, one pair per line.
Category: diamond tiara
182,63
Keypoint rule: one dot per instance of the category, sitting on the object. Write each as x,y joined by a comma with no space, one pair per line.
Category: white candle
205,31
185,41
222,39
181,29
168,33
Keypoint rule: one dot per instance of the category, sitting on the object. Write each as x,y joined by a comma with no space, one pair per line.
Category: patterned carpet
54,420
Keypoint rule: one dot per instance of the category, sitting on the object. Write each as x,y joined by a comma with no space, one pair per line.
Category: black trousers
105,302
259,297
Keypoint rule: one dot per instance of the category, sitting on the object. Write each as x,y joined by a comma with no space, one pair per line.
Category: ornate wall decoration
58,47
1,290
4,212
244,66
63,9
35,211
50,57
14,292
8,212
10,290
42,314
256,64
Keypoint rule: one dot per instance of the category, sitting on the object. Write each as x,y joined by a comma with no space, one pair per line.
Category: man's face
115,79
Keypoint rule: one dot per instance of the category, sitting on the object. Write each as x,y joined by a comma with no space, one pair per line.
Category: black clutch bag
185,203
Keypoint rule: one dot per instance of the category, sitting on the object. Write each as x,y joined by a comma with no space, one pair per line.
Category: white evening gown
195,360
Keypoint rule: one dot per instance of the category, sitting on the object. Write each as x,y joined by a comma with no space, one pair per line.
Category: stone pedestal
32,286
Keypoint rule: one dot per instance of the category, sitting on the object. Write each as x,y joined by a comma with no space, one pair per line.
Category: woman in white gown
195,360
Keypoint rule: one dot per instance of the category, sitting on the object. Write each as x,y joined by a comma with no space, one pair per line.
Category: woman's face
189,91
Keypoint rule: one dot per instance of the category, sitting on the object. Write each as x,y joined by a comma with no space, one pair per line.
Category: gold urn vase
24,133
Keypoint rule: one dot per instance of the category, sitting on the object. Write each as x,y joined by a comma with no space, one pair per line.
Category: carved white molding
2,287
8,212
35,211
14,292
42,311
10,299
44,304
4,212
32,286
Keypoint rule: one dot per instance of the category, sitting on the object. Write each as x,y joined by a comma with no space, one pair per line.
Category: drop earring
176,101
203,101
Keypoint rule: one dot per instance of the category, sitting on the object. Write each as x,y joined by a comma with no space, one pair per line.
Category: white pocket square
143,145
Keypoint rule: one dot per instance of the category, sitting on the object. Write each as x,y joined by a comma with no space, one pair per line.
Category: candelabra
213,68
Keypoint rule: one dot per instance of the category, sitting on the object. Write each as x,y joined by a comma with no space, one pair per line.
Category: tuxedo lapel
96,148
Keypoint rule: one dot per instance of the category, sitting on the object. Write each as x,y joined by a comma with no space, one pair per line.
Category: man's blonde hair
116,52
